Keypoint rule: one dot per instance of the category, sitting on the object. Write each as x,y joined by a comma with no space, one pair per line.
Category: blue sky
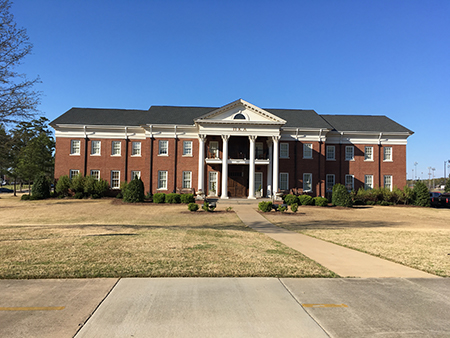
337,57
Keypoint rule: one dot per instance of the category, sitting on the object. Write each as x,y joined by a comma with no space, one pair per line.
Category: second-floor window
75,147
307,150
331,153
187,148
163,147
284,150
368,153
214,149
136,149
349,153
115,148
387,154
95,147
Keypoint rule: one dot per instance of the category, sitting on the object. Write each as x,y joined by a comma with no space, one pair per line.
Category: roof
365,123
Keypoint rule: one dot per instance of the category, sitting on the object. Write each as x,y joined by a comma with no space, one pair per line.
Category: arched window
239,116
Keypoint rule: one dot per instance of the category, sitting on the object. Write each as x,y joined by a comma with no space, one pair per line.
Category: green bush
187,198
25,197
173,198
290,199
89,185
321,201
447,186
265,206
134,192
341,196
149,196
41,187
294,207
422,195
282,209
159,197
306,200
193,206
207,207
371,203
78,195
63,185
77,184
101,187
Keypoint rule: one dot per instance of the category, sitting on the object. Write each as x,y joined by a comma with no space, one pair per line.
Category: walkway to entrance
345,262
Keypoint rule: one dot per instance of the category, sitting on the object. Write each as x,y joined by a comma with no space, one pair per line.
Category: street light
415,170
429,178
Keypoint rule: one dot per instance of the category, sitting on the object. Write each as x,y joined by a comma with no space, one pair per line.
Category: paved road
219,307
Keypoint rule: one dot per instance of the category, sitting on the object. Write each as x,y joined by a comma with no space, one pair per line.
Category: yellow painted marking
43,308
324,305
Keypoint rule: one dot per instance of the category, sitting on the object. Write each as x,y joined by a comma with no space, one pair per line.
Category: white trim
368,185
391,159
98,178
162,187
286,150
72,148
133,143
160,142
334,153
353,153
308,147
327,187
118,179
287,181
369,159
183,180
75,174
190,148
391,178
311,182
112,148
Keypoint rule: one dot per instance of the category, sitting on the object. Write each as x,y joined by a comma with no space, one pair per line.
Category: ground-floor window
284,181
213,183
115,179
330,182
95,174
162,179
307,182
368,182
187,179
258,182
135,173
388,182
73,173
349,182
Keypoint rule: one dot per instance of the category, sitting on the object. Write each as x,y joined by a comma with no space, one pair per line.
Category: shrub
187,198
101,187
422,195
207,207
294,207
447,186
173,198
134,192
77,184
321,201
149,196
409,195
371,203
41,187
306,200
341,196
193,206
25,197
265,206
290,199
159,197
89,185
78,195
282,208
95,196
63,185
385,203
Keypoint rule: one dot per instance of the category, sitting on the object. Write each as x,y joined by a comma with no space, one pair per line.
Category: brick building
266,150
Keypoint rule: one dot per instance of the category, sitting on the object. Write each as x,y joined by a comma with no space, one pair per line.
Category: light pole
429,177
433,169
445,164
415,170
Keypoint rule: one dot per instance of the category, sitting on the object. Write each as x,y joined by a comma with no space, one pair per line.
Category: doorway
238,181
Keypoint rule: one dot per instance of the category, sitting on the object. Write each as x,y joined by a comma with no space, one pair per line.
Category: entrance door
237,181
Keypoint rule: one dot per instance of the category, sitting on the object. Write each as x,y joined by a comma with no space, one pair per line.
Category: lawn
105,238
413,236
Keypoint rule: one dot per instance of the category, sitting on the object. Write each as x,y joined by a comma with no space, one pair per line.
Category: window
330,182
284,150
213,183
349,153
95,174
95,147
75,147
259,150
284,181
135,173
214,149
187,148
388,182
163,148
259,182
73,173
136,149
349,182
162,179
307,150
368,182
307,182
331,153
115,148
187,179
387,154
368,153
115,179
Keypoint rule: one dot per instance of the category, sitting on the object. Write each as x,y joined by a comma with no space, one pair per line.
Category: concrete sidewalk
345,262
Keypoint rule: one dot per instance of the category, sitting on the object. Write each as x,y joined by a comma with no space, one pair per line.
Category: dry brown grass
413,236
103,238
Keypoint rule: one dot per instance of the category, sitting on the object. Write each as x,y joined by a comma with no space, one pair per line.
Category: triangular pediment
241,112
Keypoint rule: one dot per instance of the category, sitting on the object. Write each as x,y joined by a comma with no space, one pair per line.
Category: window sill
331,159
368,160
136,155
163,154
95,155
350,160
162,189
187,155
116,155
388,161
308,158
74,154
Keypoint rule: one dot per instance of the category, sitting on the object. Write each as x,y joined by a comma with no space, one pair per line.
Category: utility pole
429,178
433,169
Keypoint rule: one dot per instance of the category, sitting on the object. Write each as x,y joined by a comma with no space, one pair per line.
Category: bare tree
18,100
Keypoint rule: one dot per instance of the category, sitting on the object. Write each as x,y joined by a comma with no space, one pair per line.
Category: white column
276,157
251,172
269,169
201,162
225,166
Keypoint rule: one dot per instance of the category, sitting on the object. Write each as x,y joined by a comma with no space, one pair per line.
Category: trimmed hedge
173,198
320,201
306,200
341,196
193,206
159,197
294,207
291,199
63,185
265,206
134,192
187,198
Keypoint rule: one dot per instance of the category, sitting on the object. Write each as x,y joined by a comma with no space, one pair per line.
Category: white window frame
307,150
349,150
73,173
214,148
212,183
162,179
284,150
331,150
368,182
347,183
258,181
331,181
96,150
187,180
187,148
95,173
390,185
284,181
135,173
116,151
115,180
368,153
136,147
305,182
163,148
387,154
75,150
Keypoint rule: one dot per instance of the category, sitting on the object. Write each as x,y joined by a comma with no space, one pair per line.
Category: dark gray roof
368,123
297,118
